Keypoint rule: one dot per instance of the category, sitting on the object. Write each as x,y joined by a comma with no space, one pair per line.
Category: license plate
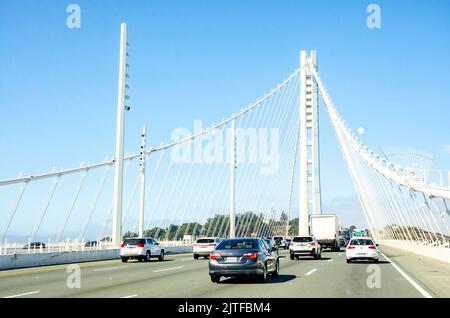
361,254
232,259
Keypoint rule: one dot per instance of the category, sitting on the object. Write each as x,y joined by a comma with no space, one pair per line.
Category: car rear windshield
278,238
205,241
302,239
361,242
237,244
134,241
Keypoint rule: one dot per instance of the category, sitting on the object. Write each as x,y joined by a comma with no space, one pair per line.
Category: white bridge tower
310,202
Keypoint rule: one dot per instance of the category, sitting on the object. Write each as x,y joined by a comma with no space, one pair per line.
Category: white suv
305,246
361,248
280,242
141,248
204,246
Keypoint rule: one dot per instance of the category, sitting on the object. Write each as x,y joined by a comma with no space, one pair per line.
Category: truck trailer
325,228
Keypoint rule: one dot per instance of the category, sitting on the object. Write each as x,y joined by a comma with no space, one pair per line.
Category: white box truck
325,228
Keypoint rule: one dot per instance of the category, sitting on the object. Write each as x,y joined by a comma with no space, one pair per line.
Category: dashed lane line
167,269
24,294
310,272
109,268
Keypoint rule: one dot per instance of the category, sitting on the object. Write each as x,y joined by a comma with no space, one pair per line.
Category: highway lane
182,276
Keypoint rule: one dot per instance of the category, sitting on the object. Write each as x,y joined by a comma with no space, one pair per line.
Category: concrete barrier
14,261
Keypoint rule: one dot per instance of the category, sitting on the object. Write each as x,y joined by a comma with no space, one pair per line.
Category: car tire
319,256
276,272
349,261
146,258
195,256
124,259
292,256
215,278
376,260
161,256
316,256
263,276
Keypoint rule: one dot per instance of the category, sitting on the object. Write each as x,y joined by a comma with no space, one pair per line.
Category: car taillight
350,247
373,247
139,245
123,245
215,256
251,256
313,243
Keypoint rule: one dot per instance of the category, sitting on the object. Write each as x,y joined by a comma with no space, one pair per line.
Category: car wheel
263,277
147,257
276,273
195,256
161,256
320,255
292,256
124,259
376,260
215,278
348,260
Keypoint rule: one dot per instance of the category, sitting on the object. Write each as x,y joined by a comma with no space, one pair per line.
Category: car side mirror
273,248
156,243
376,244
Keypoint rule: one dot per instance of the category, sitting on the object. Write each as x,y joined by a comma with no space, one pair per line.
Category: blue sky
206,59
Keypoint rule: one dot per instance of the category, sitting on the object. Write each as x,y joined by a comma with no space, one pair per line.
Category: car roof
362,238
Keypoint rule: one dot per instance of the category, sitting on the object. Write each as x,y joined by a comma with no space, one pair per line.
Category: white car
361,248
141,248
280,242
204,246
305,246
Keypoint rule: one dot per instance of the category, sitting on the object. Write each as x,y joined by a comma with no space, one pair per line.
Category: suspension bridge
253,173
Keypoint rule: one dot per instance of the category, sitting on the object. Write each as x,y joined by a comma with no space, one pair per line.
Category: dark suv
243,257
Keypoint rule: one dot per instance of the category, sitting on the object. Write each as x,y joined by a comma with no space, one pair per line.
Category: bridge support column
232,180
118,178
310,201
142,162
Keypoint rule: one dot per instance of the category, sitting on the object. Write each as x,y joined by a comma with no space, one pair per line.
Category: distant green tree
129,235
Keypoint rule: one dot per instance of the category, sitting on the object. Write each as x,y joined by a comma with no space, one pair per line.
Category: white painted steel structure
211,197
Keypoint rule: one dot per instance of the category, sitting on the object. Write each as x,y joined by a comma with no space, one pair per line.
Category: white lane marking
310,272
167,269
130,296
24,294
409,279
108,268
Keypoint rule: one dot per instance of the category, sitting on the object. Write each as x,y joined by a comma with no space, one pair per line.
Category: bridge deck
181,276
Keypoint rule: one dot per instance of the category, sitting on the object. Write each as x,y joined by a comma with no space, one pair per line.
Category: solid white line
24,294
167,269
409,279
130,296
310,272
108,268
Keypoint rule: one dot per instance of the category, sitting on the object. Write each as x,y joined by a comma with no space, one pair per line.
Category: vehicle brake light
212,244
350,247
123,245
140,245
250,256
215,256
313,243
373,247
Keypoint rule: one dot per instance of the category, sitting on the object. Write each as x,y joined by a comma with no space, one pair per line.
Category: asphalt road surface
182,276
